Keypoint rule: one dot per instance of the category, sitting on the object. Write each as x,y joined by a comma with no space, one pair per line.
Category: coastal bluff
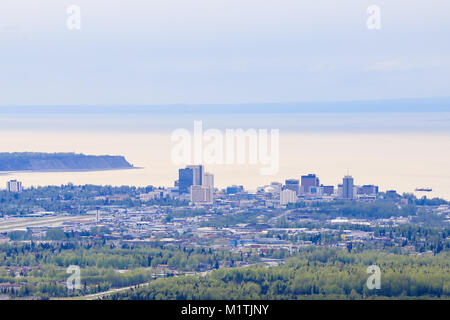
33,161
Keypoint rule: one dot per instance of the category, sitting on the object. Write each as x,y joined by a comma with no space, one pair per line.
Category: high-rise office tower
347,187
14,186
197,174
208,180
193,176
185,180
309,181
293,184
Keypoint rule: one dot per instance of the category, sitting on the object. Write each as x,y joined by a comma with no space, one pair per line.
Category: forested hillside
317,274
30,161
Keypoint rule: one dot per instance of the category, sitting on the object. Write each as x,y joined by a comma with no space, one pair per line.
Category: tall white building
202,195
288,196
14,186
208,180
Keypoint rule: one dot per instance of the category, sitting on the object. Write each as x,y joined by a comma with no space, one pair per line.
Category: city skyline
204,182
212,152
305,181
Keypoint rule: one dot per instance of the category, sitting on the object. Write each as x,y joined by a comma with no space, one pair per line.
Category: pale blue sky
217,51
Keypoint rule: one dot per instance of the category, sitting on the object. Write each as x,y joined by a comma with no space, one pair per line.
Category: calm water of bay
400,151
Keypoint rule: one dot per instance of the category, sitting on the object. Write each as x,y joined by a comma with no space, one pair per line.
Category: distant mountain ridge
34,161
405,105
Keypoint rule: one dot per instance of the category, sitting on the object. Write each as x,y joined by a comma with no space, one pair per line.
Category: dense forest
313,274
39,269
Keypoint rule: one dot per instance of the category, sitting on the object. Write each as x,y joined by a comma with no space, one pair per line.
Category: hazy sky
221,51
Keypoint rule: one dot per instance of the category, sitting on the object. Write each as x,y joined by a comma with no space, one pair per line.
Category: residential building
202,195
288,196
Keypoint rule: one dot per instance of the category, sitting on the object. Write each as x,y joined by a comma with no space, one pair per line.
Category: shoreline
5,173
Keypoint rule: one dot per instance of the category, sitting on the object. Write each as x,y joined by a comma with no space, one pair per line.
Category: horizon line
440,98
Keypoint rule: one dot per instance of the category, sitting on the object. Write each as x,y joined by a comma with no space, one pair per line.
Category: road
11,224
99,295
274,219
